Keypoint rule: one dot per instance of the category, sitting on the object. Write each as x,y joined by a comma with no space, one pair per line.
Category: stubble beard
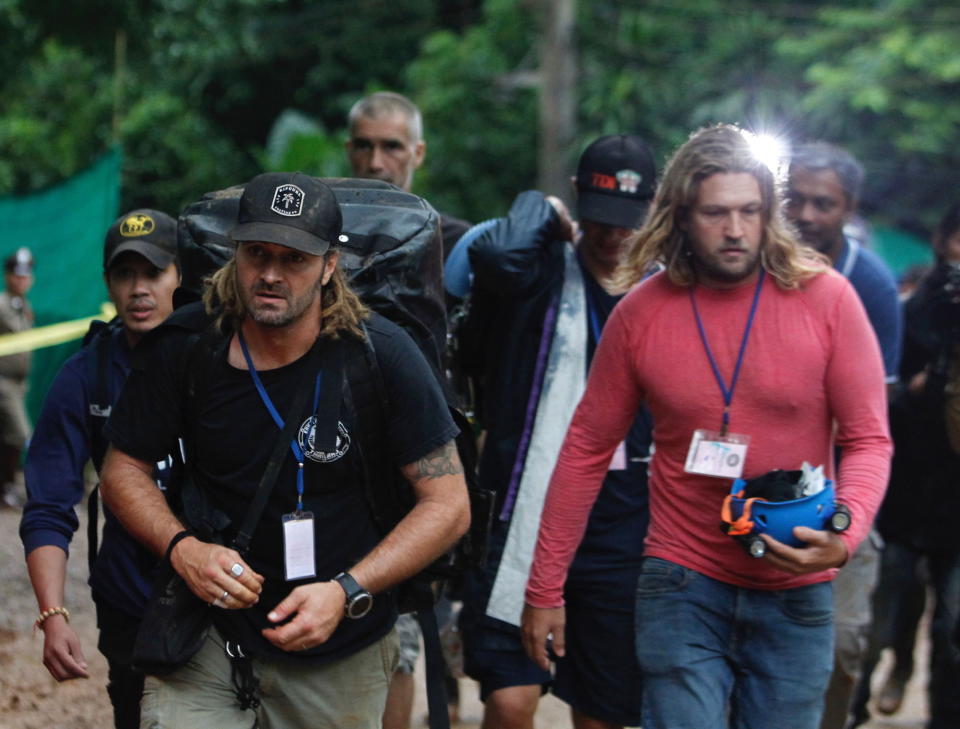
715,270
270,317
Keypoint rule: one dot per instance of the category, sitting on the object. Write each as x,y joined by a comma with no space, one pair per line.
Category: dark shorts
493,654
599,675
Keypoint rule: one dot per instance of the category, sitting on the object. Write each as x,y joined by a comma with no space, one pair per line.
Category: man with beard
141,272
303,630
747,344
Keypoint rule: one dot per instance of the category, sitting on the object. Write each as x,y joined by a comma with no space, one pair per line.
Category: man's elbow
461,521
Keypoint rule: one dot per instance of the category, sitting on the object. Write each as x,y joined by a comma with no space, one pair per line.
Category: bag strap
370,406
437,700
98,372
241,541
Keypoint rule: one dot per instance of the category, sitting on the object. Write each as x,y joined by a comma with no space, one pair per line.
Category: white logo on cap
287,200
628,181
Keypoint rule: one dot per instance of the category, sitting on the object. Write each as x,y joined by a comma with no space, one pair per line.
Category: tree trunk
558,71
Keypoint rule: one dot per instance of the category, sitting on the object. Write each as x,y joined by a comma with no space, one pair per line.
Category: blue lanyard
594,320
294,446
728,392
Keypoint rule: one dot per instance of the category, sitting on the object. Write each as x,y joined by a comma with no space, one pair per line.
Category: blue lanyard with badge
721,453
298,533
619,460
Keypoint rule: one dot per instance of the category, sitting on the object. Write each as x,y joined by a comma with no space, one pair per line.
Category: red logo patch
605,182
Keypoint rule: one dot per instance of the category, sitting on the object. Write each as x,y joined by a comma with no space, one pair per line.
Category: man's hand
210,571
62,654
318,609
566,227
537,626
824,550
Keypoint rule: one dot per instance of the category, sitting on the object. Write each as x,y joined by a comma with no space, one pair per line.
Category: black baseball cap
290,209
616,179
150,233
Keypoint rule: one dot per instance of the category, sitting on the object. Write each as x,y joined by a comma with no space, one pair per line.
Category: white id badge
619,460
713,454
298,556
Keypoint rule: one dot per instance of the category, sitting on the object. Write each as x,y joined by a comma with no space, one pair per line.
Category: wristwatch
359,601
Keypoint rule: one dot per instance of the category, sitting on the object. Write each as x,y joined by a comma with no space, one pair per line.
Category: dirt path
29,697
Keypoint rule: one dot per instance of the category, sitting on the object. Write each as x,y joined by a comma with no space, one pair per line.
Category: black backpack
393,259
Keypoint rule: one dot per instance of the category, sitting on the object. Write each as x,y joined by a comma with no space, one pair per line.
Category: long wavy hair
662,241
341,311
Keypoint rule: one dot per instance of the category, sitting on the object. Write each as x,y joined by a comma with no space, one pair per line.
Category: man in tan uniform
15,316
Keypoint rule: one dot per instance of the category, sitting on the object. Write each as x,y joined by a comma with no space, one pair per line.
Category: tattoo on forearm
441,462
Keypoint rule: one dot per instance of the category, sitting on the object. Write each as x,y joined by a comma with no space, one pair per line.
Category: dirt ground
31,699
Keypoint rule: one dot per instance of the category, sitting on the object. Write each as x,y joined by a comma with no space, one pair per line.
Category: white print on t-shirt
306,439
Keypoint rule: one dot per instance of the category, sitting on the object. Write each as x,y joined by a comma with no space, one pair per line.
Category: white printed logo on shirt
306,438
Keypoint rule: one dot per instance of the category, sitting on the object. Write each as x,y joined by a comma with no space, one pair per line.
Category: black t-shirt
235,435
620,516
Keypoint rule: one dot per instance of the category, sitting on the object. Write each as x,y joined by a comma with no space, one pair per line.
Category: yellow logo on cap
137,225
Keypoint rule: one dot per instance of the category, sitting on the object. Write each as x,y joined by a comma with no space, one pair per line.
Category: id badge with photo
714,454
298,546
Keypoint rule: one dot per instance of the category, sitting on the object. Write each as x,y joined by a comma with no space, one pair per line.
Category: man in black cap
15,316
303,634
544,290
140,271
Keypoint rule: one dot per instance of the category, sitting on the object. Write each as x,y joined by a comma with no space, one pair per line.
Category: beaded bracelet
49,613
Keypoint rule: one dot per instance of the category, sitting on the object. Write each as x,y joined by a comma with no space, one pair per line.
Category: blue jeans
713,655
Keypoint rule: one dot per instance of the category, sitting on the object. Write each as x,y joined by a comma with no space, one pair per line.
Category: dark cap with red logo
616,179
290,209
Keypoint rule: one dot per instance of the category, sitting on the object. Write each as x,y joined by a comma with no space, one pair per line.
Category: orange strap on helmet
743,524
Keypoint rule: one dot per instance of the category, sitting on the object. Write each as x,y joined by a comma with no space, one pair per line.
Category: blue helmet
742,516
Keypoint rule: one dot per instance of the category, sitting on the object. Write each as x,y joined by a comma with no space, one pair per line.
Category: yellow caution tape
51,334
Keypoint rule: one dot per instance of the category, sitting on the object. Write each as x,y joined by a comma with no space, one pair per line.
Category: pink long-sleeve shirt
812,361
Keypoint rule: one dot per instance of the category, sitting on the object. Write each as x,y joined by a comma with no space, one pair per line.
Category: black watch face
360,605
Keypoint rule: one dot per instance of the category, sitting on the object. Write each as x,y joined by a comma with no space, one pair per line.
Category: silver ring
237,569
224,596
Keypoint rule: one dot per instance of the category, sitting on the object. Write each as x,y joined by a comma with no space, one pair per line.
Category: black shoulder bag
176,621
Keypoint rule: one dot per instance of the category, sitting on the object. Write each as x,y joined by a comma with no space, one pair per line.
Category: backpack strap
390,497
368,398
204,349
99,339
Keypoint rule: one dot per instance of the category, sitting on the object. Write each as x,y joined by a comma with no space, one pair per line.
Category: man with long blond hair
303,618
746,341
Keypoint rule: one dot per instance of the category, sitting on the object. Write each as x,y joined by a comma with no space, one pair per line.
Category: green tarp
900,250
64,227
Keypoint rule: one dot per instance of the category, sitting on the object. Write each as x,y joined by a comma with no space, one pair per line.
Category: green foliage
174,154
480,115
298,143
206,87
49,129
894,96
